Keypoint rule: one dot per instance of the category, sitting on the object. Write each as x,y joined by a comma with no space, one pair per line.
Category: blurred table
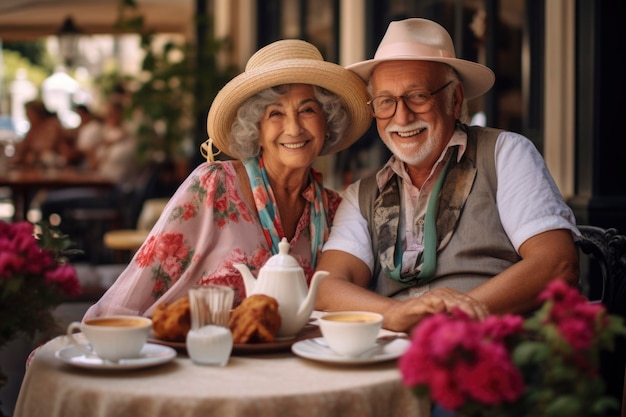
125,239
23,182
262,385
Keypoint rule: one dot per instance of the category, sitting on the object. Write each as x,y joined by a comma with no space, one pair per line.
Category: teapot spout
306,308
249,281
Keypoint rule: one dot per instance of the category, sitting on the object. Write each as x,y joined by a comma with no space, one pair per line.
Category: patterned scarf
268,210
444,208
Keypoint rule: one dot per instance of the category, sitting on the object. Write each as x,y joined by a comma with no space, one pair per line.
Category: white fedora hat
289,61
424,40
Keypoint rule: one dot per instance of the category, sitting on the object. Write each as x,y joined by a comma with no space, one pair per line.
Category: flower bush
545,365
35,276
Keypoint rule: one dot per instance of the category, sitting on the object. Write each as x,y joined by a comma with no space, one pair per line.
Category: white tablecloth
263,385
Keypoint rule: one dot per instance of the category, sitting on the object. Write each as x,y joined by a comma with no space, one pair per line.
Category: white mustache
411,127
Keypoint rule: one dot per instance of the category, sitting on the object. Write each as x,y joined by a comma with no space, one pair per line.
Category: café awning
30,19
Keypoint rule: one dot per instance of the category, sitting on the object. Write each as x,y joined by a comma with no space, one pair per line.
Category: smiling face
292,130
417,138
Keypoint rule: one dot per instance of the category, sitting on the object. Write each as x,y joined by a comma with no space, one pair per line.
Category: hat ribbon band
206,149
405,49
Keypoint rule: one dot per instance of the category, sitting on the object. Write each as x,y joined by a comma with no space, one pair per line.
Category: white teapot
283,279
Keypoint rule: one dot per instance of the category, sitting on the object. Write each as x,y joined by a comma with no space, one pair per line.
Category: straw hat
424,40
287,62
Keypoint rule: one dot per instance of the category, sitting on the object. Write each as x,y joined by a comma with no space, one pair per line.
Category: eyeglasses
418,101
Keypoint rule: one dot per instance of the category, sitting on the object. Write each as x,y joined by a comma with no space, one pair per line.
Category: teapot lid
282,259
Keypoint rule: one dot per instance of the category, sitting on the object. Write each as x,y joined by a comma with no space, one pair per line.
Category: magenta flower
459,359
34,278
64,277
511,366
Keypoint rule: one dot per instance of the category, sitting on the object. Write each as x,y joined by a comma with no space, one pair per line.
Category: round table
262,385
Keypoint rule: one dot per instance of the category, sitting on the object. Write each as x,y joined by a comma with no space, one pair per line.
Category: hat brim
477,79
332,77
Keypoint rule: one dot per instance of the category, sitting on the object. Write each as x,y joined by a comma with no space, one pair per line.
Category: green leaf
530,353
12,286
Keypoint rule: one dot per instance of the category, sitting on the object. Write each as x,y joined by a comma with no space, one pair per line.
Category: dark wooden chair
603,278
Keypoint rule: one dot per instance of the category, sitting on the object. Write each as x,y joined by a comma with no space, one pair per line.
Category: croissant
255,320
172,321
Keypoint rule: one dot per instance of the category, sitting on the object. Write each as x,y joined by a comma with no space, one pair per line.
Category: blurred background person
85,213
87,136
115,153
110,149
44,141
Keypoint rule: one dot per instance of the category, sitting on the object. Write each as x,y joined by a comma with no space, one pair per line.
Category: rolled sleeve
349,232
529,202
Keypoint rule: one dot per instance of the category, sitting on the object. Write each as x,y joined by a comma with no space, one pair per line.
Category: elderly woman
287,108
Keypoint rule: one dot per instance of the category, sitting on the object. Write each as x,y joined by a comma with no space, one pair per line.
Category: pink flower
209,180
499,328
260,197
10,263
172,267
459,359
560,292
189,210
510,366
146,253
34,277
572,314
221,204
495,379
65,278
170,245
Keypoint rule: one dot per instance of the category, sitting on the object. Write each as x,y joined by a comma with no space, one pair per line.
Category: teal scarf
268,210
429,255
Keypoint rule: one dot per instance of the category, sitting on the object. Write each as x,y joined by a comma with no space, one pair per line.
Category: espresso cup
350,333
112,338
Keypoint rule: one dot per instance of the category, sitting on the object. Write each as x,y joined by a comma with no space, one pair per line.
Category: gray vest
478,249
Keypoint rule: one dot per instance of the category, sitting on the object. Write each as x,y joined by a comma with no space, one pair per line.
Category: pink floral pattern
169,255
206,227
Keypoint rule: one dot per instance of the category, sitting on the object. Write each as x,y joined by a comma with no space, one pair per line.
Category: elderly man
459,216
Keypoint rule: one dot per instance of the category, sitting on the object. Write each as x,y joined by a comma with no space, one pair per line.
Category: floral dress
206,227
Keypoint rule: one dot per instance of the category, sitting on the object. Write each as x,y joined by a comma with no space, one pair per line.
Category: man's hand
403,315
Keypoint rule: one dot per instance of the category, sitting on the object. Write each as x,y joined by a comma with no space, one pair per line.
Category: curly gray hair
245,130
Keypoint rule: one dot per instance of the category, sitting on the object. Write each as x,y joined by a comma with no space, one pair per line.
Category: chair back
150,212
608,249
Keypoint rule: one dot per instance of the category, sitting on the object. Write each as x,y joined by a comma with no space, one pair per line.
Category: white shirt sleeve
349,230
528,199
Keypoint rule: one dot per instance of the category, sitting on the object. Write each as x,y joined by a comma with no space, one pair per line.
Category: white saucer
151,355
316,350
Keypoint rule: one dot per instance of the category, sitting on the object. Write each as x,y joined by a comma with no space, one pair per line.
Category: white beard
412,153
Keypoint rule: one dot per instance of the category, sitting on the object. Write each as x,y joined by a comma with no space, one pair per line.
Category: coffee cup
112,338
350,333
